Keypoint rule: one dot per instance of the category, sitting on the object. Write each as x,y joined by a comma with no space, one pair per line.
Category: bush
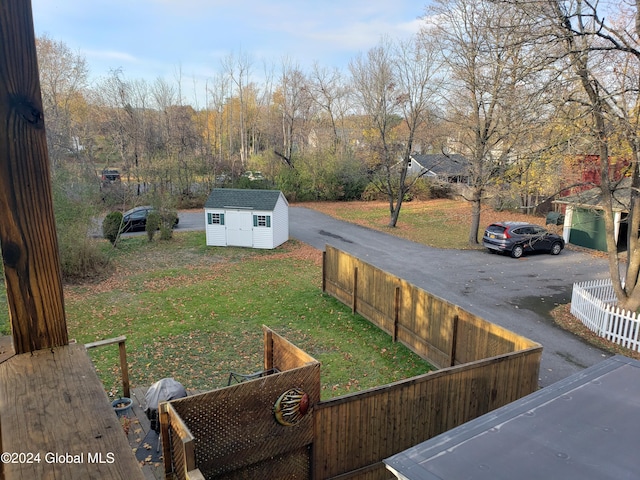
154,221
167,221
80,257
111,226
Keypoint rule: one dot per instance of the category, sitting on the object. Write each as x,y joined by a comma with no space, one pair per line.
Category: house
445,168
583,427
246,218
584,217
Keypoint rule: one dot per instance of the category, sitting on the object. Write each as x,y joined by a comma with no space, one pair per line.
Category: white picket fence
594,304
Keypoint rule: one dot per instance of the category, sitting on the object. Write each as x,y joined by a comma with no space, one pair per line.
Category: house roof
581,428
441,164
243,198
592,198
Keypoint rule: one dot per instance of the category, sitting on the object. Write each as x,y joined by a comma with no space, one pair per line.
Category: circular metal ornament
291,406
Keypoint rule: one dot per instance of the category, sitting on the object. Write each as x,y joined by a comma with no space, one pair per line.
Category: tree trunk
476,204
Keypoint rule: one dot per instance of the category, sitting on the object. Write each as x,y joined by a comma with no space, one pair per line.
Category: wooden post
324,271
163,416
268,348
124,369
454,341
354,299
27,227
396,314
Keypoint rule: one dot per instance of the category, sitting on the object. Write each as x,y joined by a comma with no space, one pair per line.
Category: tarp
163,391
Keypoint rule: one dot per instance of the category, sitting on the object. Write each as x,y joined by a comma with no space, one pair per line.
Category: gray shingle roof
242,198
444,165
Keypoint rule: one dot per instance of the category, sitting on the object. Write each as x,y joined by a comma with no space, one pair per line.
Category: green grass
195,313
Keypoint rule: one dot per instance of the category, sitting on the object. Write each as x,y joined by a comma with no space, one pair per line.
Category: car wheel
517,251
556,248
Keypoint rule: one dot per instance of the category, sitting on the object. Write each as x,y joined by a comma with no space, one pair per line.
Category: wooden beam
27,227
124,366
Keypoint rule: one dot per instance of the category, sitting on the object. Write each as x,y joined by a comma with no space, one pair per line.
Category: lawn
437,223
195,313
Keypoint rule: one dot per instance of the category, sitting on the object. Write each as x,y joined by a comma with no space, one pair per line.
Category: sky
188,39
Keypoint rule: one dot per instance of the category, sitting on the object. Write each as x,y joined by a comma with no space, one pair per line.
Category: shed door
239,228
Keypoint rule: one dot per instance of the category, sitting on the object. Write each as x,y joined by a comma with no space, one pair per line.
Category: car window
496,229
522,231
539,230
138,215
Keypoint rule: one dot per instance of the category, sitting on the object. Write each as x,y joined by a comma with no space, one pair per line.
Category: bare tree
417,67
63,79
331,93
239,70
492,101
294,104
375,90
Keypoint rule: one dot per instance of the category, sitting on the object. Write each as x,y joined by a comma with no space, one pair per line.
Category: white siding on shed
244,225
263,235
216,233
280,223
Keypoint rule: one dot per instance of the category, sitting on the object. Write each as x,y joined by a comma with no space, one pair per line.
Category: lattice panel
235,428
290,466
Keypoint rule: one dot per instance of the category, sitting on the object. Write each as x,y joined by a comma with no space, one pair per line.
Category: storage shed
246,218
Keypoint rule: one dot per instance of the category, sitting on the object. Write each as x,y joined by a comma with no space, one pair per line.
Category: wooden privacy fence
437,330
493,367
594,304
234,432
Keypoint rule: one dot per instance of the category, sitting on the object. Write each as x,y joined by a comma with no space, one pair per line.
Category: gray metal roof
584,427
243,198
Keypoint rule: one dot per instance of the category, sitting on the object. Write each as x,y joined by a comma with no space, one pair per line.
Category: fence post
324,271
396,314
355,291
268,348
454,341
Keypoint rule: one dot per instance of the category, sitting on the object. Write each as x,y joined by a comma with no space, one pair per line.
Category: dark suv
110,175
136,219
519,237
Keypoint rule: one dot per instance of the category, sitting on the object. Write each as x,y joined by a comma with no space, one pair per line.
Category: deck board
52,402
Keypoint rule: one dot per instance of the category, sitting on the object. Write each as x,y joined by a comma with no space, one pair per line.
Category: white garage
246,218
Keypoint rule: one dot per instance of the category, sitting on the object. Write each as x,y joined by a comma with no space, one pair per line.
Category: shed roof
243,198
584,427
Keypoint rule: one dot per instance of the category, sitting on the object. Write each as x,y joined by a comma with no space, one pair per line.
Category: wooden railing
124,368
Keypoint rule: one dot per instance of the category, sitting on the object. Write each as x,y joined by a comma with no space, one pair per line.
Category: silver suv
516,238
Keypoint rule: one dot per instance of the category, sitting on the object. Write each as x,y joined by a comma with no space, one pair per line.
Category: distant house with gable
444,168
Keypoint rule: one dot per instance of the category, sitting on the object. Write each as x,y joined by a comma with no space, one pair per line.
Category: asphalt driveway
516,294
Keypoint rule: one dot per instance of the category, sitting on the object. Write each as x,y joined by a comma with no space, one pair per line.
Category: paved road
516,294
